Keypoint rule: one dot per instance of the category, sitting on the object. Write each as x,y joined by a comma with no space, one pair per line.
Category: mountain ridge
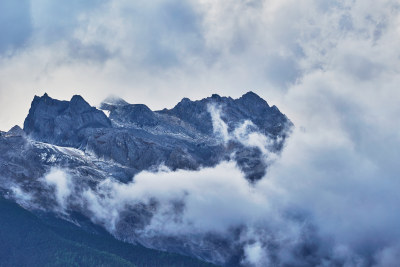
181,138
65,141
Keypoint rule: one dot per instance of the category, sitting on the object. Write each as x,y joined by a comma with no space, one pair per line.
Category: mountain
93,147
140,139
31,240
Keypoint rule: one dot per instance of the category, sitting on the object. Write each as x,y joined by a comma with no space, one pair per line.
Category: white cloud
62,185
22,197
209,204
245,133
220,128
255,255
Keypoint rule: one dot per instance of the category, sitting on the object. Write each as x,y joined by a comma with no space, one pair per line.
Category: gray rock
139,138
15,131
64,123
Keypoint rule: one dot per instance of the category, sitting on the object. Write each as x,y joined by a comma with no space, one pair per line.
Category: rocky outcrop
63,123
139,139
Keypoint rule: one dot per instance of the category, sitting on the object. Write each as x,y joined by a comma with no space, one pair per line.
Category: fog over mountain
300,211
148,177
317,186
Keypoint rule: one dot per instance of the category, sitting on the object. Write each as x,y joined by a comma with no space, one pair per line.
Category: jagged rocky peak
121,111
249,106
139,114
111,102
62,122
251,98
15,131
79,105
46,105
185,100
216,96
138,138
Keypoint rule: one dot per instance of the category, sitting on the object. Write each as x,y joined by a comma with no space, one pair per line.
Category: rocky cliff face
64,123
140,139
250,106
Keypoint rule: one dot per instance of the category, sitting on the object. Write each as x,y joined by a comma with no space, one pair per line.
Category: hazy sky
157,52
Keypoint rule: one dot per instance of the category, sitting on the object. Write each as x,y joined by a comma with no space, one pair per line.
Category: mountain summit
62,122
138,138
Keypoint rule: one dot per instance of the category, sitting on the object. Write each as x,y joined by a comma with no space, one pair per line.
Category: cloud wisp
60,182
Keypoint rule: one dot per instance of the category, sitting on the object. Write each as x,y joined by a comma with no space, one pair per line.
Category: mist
321,203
